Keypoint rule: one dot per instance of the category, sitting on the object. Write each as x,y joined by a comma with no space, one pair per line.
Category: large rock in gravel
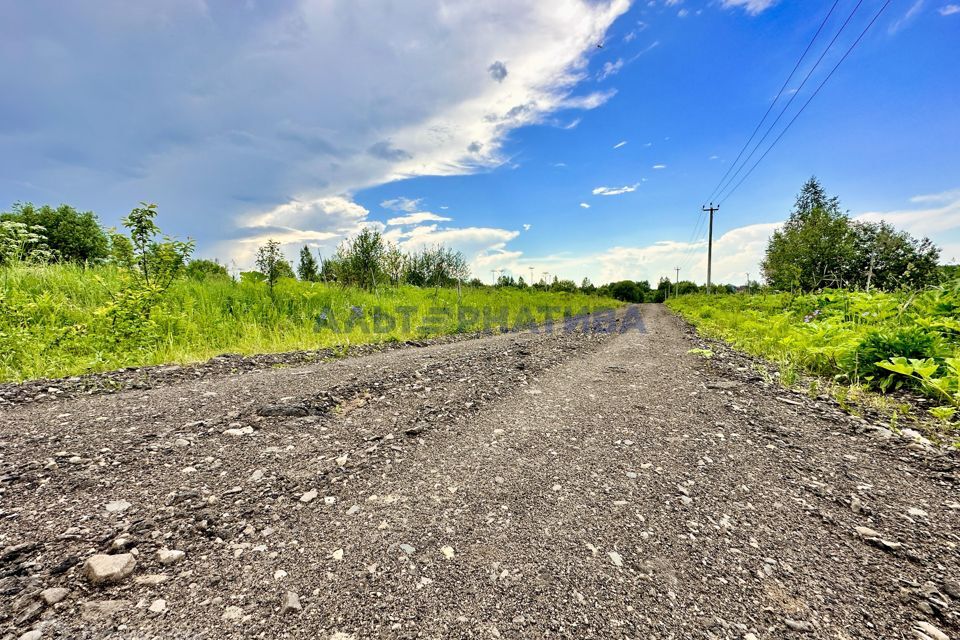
108,569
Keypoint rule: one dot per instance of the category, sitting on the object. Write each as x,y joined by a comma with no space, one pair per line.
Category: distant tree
686,286
586,286
816,247
394,263
307,269
626,290
521,283
206,269
566,286
360,259
71,236
272,264
505,280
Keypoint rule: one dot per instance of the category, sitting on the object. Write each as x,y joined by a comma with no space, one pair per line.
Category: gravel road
567,485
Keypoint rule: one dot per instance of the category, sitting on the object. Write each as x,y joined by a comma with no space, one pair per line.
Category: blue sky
500,128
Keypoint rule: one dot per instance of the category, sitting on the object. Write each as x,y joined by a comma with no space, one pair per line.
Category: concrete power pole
711,209
676,286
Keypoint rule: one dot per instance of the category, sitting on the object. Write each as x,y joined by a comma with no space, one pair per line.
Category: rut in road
524,485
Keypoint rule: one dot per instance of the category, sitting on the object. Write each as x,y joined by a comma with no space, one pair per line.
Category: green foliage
819,246
272,264
203,269
360,260
883,340
71,236
307,268
62,319
20,242
154,264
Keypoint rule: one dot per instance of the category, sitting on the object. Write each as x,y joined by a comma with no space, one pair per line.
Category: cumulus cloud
584,205
615,191
753,7
527,227
941,216
246,125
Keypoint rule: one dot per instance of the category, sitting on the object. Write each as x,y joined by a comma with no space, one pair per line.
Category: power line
779,93
809,100
790,101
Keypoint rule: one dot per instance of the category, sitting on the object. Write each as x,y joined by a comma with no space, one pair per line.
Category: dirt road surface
516,486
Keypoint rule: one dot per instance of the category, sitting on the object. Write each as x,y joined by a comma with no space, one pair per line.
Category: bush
71,235
882,344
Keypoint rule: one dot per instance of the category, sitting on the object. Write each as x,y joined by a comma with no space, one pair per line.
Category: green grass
53,321
844,335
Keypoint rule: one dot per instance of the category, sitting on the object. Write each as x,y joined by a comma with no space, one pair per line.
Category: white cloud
911,13
736,252
401,204
610,69
949,9
527,227
753,7
615,191
619,144
683,13
584,205
929,222
659,166
248,120
416,218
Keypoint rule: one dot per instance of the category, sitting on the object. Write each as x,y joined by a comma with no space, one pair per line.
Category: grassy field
877,340
55,320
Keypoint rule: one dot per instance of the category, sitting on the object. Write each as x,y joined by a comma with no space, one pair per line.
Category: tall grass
842,334
52,320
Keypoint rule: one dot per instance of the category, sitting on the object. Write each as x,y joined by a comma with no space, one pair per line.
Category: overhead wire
779,94
793,97
810,99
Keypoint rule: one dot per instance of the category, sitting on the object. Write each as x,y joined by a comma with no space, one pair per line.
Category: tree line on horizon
818,247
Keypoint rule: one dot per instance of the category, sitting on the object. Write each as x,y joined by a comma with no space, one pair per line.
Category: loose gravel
514,486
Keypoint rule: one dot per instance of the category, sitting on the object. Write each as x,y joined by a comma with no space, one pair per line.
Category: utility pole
711,209
748,282
870,273
531,276
676,286
493,276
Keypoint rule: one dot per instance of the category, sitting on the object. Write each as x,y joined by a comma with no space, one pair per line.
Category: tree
819,246
307,269
154,263
359,259
71,236
394,262
206,269
888,259
586,286
816,247
271,263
